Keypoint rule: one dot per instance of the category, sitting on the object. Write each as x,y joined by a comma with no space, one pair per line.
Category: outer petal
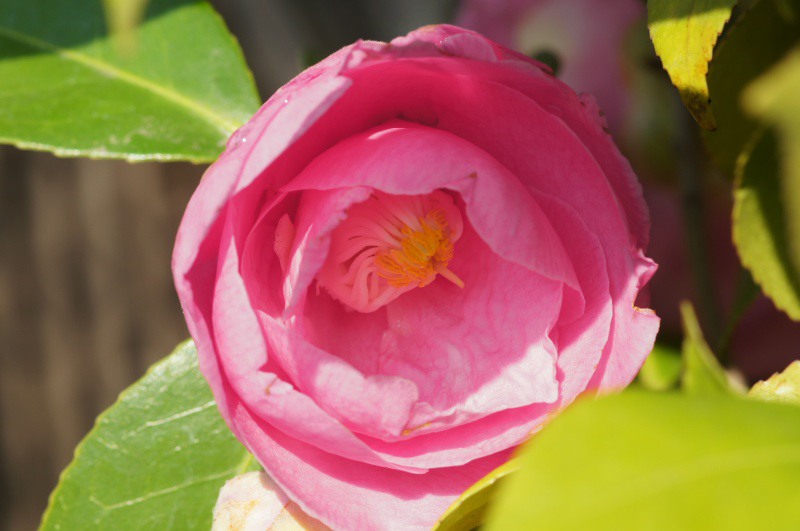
194,260
345,494
244,361
274,128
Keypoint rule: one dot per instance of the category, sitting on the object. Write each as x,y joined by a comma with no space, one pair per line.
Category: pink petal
346,494
379,159
579,113
470,352
235,353
580,344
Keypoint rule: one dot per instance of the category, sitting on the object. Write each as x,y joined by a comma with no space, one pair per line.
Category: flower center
388,245
422,254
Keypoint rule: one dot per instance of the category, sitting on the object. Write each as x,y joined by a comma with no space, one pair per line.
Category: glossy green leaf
759,38
657,461
759,224
67,88
661,370
469,510
775,98
780,387
702,372
155,460
684,33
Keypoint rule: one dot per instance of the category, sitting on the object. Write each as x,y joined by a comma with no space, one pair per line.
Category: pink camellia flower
411,256
587,38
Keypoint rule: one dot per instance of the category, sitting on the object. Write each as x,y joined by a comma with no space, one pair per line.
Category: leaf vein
223,124
157,493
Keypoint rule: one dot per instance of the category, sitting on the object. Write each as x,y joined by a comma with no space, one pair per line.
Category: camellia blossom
410,257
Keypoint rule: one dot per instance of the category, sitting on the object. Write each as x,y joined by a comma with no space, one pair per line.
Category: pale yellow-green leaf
702,373
657,462
759,223
468,511
684,33
775,98
661,370
761,36
780,387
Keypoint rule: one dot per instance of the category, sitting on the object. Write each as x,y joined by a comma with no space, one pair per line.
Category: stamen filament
390,244
449,275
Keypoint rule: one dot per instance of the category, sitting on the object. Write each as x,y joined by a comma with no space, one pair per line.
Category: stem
691,181
746,293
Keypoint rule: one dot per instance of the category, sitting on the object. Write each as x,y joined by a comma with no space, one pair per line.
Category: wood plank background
86,303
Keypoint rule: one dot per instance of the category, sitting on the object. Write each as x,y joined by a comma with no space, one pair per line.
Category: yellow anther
423,253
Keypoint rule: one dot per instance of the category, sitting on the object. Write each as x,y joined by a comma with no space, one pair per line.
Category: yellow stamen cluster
421,255
389,245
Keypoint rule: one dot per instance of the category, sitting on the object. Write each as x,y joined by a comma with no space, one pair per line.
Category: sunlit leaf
780,387
155,460
775,98
702,373
684,33
469,510
760,37
65,87
662,369
657,461
759,226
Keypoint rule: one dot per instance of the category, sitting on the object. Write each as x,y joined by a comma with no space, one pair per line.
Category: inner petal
389,245
469,352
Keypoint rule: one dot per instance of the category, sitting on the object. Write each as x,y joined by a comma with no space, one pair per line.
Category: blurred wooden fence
86,304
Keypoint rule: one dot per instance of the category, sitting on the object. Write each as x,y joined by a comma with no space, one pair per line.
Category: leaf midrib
224,125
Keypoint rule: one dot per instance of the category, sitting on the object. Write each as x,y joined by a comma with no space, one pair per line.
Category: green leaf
780,387
661,370
759,227
469,510
684,33
760,37
702,373
658,461
66,87
155,460
775,98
